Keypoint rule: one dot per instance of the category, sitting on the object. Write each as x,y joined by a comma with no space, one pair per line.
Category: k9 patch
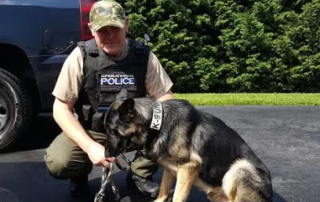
156,121
115,81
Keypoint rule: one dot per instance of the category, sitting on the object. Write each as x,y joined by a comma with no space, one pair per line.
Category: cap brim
108,22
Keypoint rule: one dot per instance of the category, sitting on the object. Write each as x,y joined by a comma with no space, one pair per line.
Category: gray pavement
286,138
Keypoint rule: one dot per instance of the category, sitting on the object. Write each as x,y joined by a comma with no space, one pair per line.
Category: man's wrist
85,142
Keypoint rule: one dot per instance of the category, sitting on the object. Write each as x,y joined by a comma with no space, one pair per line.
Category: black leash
106,178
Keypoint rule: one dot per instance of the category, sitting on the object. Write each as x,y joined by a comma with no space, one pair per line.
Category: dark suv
36,37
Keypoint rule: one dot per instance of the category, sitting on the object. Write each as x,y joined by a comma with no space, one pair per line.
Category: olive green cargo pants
65,159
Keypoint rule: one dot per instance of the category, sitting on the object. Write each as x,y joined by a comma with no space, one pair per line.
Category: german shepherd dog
194,147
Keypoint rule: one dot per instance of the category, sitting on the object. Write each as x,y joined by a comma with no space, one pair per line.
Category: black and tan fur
194,148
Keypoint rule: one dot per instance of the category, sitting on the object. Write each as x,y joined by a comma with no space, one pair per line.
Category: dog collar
156,116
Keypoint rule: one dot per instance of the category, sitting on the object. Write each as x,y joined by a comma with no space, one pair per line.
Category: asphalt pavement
287,139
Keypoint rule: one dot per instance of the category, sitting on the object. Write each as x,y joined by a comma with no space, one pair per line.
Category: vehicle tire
15,109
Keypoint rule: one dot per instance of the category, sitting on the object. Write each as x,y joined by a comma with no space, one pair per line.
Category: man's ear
122,95
126,110
90,27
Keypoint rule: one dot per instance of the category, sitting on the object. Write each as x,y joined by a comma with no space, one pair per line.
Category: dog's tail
245,183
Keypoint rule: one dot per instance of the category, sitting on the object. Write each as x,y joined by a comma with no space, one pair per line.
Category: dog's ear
123,94
126,110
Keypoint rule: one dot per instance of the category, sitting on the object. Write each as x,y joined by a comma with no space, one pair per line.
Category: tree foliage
233,45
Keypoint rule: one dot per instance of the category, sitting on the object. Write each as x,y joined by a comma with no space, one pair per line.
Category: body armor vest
104,78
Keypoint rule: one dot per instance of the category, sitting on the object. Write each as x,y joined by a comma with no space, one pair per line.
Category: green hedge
233,46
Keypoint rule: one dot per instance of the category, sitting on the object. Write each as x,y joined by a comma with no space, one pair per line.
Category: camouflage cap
106,13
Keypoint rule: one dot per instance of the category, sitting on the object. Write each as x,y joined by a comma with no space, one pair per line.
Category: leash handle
126,160
106,177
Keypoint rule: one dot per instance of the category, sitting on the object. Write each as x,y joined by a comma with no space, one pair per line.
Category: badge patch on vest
114,81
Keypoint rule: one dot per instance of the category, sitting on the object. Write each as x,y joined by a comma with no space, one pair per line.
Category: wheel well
14,60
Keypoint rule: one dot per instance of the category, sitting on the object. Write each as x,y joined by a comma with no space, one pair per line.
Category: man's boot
79,187
145,185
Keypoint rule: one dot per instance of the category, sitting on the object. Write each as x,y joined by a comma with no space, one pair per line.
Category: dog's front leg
185,177
166,184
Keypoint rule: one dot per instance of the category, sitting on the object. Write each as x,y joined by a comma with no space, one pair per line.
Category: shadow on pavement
278,198
7,196
40,134
30,182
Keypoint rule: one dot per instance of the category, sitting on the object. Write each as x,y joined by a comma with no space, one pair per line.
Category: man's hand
96,153
62,113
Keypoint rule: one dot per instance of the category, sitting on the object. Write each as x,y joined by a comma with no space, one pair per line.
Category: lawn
285,99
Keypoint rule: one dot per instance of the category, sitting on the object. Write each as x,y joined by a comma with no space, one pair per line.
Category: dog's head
122,126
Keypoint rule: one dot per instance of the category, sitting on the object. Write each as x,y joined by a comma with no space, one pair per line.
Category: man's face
111,39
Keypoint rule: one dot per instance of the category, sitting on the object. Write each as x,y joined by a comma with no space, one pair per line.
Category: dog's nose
111,153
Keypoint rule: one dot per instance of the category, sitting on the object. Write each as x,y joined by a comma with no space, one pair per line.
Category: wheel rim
4,116
5,109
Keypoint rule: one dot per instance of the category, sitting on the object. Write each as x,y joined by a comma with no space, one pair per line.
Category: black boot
145,185
79,187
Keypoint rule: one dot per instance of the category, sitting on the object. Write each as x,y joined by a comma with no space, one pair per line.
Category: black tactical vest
104,78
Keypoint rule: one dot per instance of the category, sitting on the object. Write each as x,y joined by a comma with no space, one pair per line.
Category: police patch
114,81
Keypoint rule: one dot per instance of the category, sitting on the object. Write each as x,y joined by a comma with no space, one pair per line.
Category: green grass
290,99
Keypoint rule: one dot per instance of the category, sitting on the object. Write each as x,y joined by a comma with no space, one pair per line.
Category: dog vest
104,78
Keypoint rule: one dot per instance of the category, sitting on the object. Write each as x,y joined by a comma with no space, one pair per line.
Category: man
90,78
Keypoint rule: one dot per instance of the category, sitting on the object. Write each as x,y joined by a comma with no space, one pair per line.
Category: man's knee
63,168
64,159
56,166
